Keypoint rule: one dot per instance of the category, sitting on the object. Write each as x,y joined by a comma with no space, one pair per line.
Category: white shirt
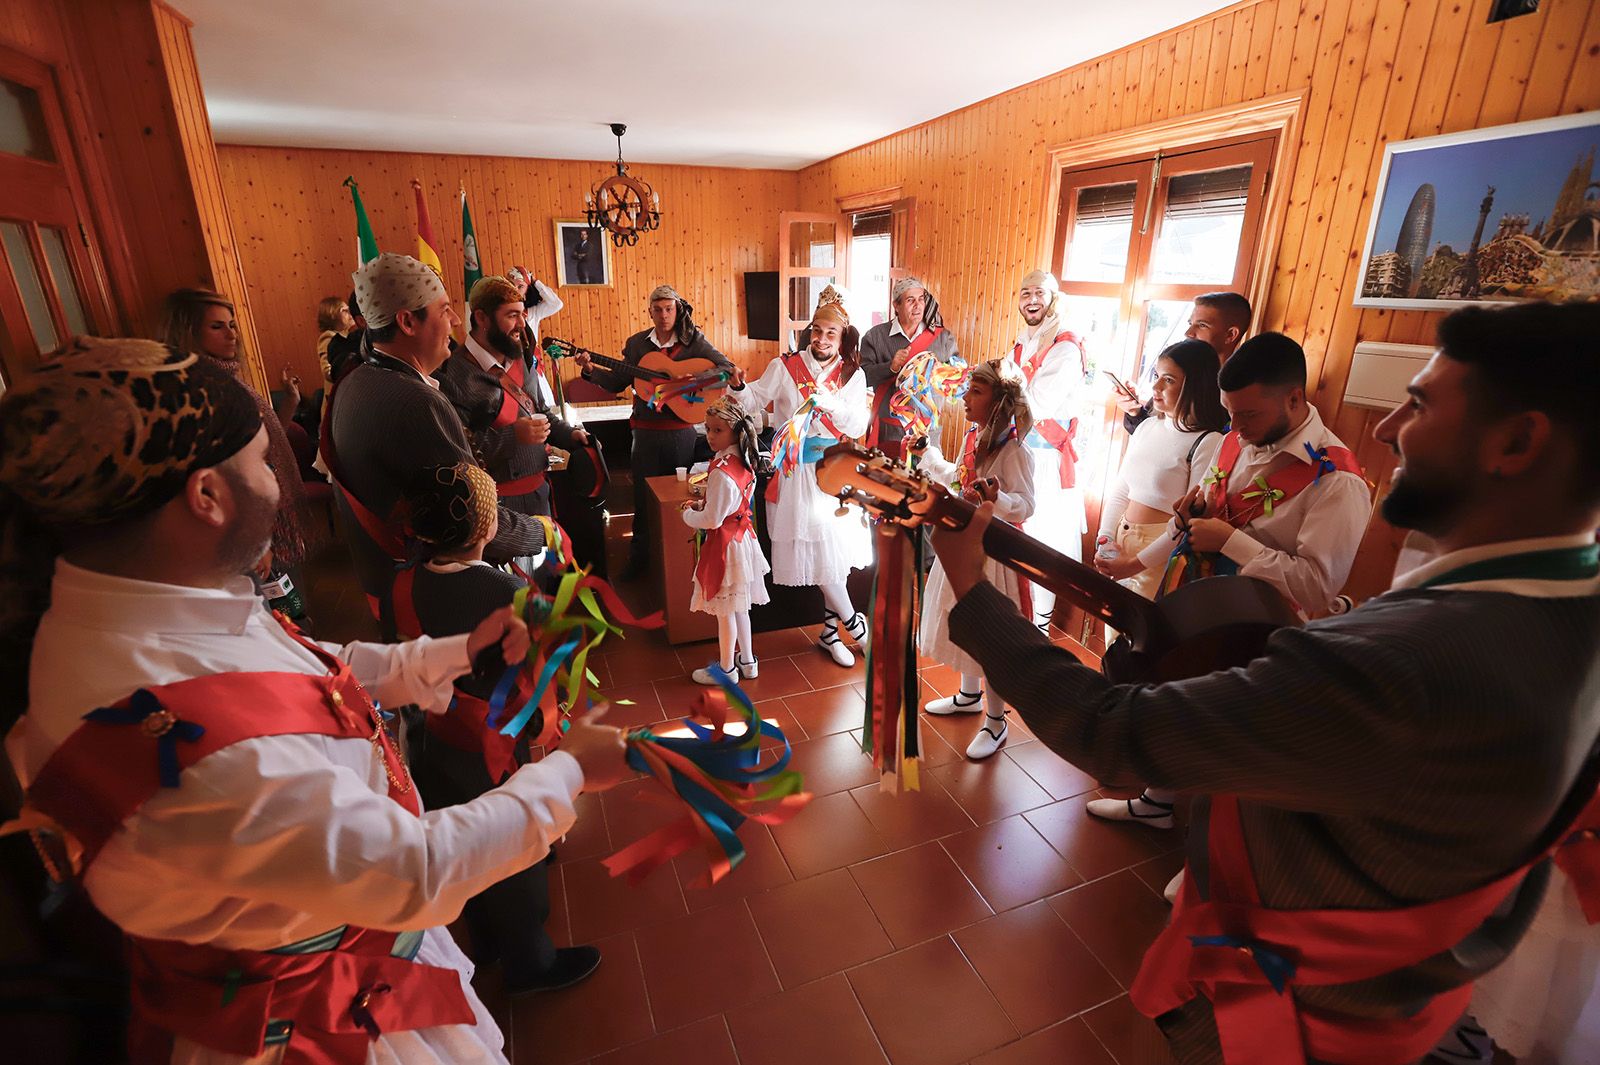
276,839
1157,472
1306,546
722,499
846,405
1053,390
548,306
896,330
1442,564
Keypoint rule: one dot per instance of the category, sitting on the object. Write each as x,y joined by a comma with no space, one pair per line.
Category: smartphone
1121,385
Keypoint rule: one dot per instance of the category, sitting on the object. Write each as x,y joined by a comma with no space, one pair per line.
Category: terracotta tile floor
985,919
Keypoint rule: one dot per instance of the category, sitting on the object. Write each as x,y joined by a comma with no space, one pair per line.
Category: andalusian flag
425,241
469,244
366,243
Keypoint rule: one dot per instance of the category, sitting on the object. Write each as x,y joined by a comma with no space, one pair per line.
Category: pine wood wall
1372,71
297,237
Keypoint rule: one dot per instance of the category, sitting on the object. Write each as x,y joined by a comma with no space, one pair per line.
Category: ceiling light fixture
621,204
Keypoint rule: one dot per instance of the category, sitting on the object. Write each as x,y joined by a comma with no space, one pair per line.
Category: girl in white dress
993,465
818,397
730,575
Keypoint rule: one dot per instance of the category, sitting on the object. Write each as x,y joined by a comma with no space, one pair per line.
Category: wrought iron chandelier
624,205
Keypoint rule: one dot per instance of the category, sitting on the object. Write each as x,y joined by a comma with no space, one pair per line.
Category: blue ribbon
515,726
1277,969
1320,459
142,705
813,446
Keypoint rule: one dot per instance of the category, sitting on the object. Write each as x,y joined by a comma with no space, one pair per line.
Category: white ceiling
707,82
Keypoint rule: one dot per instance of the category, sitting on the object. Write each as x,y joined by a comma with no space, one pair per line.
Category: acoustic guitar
1205,625
695,384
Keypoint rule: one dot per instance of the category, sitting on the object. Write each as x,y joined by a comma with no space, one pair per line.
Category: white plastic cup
683,473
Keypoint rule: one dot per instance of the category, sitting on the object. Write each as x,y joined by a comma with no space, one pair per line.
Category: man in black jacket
661,440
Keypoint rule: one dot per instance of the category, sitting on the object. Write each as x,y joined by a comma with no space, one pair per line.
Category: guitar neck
1083,586
606,361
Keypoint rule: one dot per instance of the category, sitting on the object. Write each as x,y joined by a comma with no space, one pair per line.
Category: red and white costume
731,574
1051,362
272,840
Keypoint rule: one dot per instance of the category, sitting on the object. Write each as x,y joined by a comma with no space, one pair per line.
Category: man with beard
496,392
1378,789
818,397
1286,502
661,440
389,419
1051,360
242,814
886,349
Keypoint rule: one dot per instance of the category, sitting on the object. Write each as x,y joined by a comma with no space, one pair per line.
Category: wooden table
672,559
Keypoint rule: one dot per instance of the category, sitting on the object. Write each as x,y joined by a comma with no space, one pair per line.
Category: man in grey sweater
1417,749
886,348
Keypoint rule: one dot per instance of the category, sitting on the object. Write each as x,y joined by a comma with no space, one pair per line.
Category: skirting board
1379,373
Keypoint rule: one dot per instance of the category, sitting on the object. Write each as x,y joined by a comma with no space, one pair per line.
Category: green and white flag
366,243
469,245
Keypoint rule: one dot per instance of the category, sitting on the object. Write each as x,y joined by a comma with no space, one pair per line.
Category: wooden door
812,254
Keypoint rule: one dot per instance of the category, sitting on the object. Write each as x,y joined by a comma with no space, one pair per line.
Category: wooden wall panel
297,237
1371,71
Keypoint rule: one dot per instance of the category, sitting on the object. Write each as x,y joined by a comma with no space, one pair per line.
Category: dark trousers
506,920
656,453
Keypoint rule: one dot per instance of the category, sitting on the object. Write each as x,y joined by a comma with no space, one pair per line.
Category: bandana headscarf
686,329
451,507
727,409
110,429
392,283
931,318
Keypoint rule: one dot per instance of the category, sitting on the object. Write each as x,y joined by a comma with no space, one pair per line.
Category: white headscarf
392,283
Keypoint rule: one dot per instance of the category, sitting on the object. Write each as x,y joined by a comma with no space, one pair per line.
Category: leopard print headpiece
451,507
104,430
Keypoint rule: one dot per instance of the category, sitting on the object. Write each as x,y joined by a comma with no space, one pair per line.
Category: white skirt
1059,517
743,581
933,637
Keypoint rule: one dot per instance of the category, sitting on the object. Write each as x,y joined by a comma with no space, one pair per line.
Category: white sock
1044,602
837,598
972,682
1157,795
744,648
727,634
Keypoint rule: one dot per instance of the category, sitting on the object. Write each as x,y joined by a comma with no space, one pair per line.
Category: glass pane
1101,231
55,253
811,244
1165,322
1199,239
803,293
869,280
22,128
34,303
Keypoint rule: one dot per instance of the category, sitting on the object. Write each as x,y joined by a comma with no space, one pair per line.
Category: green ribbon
1268,495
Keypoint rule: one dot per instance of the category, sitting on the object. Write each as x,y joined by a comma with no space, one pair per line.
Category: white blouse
1157,471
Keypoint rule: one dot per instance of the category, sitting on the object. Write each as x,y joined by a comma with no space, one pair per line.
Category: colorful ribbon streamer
719,777
1186,564
788,446
925,385
688,389
566,628
893,692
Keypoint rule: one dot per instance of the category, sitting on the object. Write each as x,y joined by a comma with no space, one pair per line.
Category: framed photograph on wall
1491,215
583,255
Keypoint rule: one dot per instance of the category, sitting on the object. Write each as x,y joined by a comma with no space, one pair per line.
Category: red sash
1244,506
882,415
386,536
1240,940
339,999
800,373
465,726
513,395
1049,432
735,527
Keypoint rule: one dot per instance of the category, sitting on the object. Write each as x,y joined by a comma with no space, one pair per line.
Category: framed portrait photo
583,255
1492,215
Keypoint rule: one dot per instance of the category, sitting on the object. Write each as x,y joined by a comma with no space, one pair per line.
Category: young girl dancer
993,465
730,576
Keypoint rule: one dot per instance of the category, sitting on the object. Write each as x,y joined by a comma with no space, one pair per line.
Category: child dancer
730,575
994,465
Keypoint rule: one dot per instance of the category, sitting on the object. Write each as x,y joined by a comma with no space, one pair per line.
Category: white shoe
713,675
748,669
1042,621
1173,889
1466,1042
986,742
959,703
830,642
1144,810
